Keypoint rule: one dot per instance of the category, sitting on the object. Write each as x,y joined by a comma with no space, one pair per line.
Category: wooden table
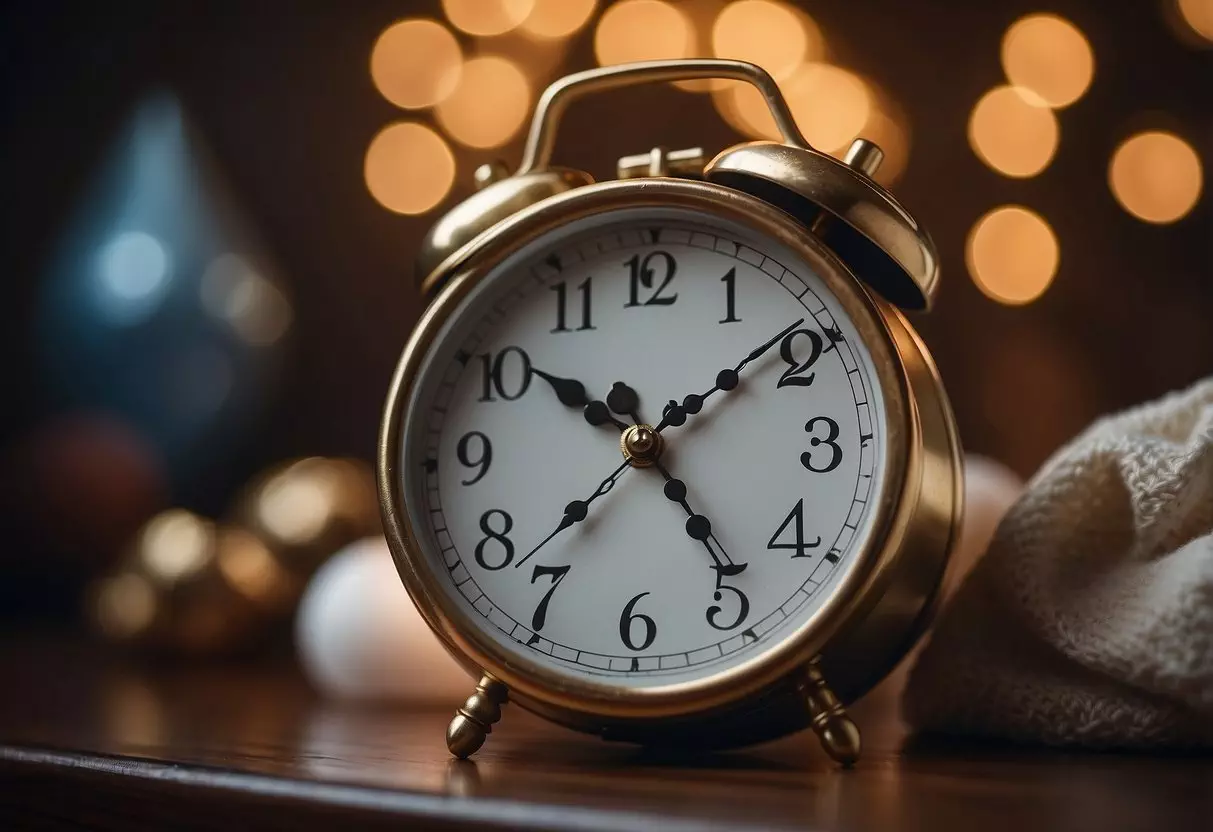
86,740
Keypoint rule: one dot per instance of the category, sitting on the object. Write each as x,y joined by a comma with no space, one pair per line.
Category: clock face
768,433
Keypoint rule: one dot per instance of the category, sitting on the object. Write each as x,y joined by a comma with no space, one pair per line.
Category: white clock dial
643,581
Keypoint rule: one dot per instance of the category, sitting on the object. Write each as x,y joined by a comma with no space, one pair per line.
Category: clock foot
475,719
838,734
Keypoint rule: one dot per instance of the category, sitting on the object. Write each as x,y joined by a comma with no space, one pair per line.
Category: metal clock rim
463,637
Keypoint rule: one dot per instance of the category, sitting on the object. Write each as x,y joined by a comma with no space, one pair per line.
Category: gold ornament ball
182,586
307,509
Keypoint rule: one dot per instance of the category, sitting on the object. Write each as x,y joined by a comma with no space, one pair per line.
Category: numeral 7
556,573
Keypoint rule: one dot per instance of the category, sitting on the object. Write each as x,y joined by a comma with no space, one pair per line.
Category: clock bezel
857,590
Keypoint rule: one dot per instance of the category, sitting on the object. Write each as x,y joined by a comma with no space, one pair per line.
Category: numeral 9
484,456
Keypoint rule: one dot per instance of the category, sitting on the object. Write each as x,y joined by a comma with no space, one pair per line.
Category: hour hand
571,393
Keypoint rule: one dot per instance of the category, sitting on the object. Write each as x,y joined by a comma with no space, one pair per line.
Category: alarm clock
662,459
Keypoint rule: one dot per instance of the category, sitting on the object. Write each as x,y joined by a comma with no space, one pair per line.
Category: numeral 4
799,546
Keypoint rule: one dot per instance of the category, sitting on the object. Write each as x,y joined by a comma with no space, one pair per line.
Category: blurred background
213,209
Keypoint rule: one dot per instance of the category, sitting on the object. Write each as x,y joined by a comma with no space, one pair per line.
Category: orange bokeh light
642,30
1012,255
773,35
489,105
415,63
1198,14
1013,131
409,168
831,105
487,17
1156,176
1048,55
558,18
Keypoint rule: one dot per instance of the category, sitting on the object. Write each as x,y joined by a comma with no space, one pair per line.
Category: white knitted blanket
1089,621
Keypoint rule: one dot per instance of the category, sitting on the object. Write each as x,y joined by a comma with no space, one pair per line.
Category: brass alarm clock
662,460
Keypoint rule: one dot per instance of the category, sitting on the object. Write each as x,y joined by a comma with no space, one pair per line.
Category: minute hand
676,414
577,510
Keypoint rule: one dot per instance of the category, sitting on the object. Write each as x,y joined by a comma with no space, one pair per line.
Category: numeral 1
561,291
730,297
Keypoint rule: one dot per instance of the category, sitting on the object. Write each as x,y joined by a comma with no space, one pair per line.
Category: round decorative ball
360,637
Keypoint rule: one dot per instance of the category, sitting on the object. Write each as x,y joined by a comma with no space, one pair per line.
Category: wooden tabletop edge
215,792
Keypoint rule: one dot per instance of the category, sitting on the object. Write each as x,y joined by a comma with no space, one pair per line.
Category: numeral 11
561,291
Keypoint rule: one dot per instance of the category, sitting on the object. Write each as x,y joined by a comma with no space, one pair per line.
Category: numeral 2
561,291
642,274
792,375
799,547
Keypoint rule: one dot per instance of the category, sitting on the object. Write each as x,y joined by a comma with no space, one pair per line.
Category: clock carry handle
537,155
836,199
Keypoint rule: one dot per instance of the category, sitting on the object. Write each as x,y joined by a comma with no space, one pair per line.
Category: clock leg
475,719
838,734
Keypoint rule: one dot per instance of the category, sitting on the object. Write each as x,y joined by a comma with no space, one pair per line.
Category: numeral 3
829,440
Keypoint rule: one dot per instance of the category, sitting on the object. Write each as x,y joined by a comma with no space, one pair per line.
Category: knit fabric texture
1089,620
